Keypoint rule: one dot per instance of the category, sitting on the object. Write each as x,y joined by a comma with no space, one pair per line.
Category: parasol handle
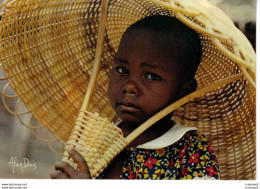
247,76
98,53
179,103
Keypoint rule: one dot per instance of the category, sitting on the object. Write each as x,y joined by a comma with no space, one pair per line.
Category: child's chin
131,120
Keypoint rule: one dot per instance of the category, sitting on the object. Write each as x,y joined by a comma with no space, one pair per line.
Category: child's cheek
113,92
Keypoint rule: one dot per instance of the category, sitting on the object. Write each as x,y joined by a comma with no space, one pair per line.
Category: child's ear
188,87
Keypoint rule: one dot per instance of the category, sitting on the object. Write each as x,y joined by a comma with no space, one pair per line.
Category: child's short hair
179,36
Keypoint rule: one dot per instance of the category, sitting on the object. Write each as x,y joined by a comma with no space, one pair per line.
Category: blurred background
18,141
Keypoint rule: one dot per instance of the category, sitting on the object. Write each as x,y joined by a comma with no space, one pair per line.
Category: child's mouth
127,106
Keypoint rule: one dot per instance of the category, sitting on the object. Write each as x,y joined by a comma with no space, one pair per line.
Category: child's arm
64,170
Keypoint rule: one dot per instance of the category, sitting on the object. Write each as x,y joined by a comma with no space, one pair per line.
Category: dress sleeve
198,159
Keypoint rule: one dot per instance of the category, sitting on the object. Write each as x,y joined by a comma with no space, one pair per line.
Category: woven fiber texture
47,50
105,140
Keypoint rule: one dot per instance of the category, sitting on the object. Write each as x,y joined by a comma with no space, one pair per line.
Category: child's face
144,78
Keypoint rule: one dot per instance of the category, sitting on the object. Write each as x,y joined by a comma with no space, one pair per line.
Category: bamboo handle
247,76
98,54
179,103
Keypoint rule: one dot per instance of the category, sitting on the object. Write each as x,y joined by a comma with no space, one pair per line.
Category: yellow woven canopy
47,50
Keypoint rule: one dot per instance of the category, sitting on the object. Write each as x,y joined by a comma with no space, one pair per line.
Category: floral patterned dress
190,157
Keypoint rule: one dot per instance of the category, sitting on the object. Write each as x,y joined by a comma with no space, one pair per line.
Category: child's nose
130,87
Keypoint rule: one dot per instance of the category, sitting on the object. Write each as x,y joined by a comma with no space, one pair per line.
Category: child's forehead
138,34
139,46
148,39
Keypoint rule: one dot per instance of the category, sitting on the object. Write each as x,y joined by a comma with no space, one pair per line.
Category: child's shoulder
194,137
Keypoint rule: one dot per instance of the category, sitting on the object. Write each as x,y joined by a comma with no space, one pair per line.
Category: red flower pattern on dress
184,171
211,171
150,162
194,158
210,147
128,168
139,158
214,158
182,152
187,135
132,175
161,152
171,163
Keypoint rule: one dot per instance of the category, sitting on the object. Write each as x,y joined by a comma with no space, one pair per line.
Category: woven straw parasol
57,55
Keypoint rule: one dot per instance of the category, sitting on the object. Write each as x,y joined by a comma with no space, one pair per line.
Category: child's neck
151,133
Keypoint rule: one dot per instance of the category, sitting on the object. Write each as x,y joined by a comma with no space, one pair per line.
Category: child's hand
64,170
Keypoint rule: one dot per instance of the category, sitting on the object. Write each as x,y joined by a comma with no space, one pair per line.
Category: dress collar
168,138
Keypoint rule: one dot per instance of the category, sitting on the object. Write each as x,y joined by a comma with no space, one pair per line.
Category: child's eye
153,77
122,70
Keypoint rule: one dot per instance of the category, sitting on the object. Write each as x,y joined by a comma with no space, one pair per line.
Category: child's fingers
65,167
58,175
82,164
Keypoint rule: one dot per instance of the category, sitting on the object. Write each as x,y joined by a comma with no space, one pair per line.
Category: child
155,66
